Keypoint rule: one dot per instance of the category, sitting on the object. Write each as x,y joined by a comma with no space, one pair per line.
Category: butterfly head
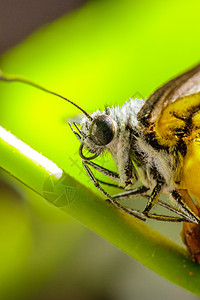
95,134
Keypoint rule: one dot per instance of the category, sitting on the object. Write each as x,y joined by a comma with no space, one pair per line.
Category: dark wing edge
185,84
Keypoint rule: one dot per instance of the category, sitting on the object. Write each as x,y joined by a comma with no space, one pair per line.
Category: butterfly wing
173,114
186,84
179,120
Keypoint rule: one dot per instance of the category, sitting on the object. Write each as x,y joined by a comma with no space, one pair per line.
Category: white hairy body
120,147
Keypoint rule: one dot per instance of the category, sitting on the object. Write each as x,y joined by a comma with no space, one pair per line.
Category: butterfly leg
110,184
111,174
154,198
182,209
142,191
137,192
131,212
152,201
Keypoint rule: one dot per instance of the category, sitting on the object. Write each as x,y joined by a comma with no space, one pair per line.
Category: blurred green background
102,53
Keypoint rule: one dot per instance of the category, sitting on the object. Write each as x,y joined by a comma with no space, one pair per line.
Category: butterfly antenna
26,81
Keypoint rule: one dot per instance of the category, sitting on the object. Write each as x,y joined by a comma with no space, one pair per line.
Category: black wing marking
185,84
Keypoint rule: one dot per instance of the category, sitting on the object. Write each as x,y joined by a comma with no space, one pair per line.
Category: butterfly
150,142
155,142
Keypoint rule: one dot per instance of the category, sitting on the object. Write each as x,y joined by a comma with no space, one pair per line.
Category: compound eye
102,130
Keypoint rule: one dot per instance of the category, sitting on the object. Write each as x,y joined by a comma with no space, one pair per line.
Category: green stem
127,233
